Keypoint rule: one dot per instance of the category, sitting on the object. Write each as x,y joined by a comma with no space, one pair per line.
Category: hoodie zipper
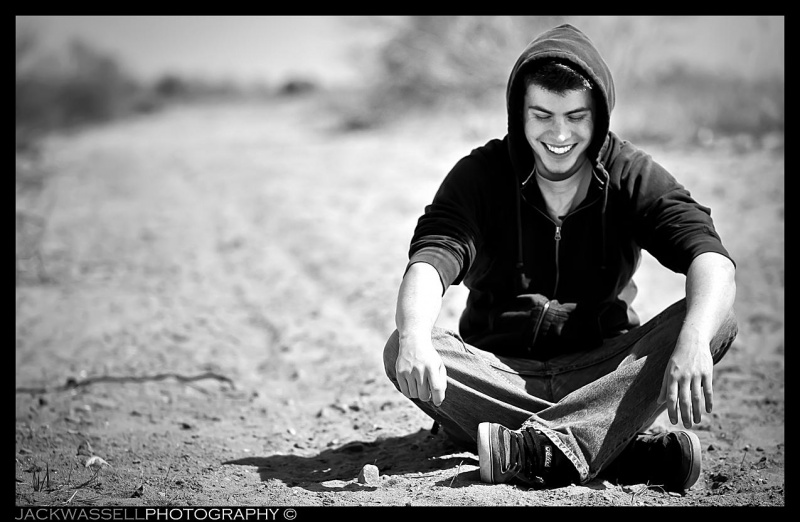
557,238
558,245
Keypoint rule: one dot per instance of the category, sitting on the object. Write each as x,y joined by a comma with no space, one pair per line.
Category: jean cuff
580,466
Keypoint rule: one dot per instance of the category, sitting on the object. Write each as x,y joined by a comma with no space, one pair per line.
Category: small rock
95,462
369,475
339,407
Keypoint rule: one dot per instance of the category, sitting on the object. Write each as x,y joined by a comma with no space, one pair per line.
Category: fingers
672,401
662,396
669,394
433,386
413,389
686,386
687,397
685,402
438,384
708,390
427,387
403,384
697,398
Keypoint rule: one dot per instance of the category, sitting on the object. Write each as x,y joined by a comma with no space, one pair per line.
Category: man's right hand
420,371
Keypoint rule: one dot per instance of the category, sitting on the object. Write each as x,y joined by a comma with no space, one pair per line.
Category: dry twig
458,470
73,383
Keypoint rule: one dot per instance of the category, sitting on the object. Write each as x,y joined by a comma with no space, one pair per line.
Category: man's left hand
688,381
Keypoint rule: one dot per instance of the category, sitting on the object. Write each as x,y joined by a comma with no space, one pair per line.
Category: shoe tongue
512,451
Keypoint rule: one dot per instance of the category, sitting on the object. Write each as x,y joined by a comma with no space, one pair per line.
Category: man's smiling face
559,128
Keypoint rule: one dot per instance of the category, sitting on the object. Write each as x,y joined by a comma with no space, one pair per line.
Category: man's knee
390,352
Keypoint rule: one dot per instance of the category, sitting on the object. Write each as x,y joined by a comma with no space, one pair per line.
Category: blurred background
689,78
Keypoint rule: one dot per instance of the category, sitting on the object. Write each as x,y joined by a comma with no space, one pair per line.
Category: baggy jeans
590,404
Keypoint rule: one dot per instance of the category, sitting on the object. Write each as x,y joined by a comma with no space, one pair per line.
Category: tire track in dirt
180,213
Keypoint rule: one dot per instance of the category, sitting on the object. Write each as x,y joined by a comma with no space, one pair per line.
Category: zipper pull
558,233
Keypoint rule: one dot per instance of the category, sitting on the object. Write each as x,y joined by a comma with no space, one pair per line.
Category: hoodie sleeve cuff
442,260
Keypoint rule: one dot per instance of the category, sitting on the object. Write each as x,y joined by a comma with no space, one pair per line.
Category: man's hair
558,76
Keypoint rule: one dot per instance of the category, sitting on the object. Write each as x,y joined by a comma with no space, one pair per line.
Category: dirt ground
203,296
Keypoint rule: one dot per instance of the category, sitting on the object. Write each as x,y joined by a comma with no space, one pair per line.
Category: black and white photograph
267,264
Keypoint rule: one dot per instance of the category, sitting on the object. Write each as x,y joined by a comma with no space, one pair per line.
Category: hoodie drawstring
522,280
606,182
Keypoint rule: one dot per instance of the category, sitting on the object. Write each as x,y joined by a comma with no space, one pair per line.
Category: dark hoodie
537,289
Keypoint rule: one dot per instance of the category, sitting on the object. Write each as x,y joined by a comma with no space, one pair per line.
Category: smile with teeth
559,150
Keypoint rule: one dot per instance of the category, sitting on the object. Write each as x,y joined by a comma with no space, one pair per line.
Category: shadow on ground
416,454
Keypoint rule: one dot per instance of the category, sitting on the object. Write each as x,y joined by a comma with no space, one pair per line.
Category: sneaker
671,460
525,455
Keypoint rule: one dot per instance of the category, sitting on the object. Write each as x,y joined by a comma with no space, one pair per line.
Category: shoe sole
696,464
485,452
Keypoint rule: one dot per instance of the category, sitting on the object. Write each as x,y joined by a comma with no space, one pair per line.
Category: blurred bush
431,61
77,86
686,105
80,85
431,58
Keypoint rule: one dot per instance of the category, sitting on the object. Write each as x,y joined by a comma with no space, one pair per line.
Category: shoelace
523,454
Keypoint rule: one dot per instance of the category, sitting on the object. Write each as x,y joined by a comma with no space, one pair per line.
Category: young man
551,378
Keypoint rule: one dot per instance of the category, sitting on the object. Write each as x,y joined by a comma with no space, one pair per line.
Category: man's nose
561,131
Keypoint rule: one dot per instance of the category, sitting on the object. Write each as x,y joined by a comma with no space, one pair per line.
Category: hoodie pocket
532,317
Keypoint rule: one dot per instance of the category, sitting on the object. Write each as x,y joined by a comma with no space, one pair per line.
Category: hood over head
568,43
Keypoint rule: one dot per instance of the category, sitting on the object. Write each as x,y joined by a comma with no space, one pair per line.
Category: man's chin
558,172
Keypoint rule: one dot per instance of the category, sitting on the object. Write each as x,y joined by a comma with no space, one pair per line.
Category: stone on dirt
369,475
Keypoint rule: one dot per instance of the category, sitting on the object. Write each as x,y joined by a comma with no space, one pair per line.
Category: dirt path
220,285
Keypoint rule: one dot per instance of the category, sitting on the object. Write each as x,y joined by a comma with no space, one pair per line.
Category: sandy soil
214,287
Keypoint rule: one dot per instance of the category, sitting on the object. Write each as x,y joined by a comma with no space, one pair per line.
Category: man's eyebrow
573,111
